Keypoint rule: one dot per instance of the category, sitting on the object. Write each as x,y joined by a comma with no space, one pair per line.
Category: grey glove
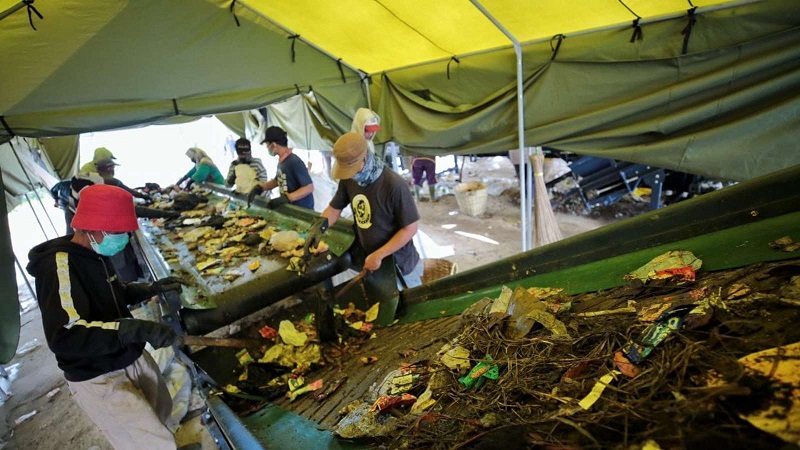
140,291
168,284
315,232
278,201
253,194
134,331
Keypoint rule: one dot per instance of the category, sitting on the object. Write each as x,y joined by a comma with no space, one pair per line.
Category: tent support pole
524,201
25,277
33,210
366,92
35,192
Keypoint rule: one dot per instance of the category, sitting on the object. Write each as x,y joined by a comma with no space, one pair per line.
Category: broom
545,226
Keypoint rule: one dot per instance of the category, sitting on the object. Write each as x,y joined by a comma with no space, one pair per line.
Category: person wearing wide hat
384,211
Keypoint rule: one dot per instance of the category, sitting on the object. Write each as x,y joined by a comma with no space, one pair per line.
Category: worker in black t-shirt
385,215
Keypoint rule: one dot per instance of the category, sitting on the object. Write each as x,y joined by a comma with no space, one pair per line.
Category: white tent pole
524,202
35,193
366,92
530,188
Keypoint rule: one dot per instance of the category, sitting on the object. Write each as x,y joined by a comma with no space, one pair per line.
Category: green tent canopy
707,87
709,90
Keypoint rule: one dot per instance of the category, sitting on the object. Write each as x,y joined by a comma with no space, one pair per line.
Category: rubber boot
432,190
416,192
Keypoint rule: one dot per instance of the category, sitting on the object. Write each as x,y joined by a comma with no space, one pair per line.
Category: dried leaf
372,312
290,335
550,322
203,265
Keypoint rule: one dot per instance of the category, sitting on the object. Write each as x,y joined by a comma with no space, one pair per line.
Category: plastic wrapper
385,403
267,332
482,371
669,322
244,357
293,394
676,263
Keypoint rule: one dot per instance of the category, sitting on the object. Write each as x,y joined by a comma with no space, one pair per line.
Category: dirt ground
60,424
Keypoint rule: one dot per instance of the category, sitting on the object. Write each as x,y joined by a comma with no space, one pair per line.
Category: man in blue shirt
292,180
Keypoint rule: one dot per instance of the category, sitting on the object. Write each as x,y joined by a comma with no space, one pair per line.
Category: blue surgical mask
111,245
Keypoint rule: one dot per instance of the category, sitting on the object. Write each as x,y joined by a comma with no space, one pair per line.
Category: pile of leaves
561,383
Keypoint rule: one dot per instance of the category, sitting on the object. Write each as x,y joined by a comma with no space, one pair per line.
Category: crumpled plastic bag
361,422
673,263
287,240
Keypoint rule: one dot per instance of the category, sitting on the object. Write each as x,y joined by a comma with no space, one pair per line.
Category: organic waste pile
675,359
283,365
213,243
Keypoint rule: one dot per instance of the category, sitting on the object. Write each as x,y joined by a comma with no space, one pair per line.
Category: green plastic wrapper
482,371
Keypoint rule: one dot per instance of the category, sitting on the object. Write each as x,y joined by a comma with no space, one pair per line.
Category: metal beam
523,185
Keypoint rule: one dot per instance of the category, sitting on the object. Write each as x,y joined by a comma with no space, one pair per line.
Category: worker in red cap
88,327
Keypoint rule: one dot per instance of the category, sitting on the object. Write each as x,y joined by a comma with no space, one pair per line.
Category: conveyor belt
233,300
726,229
425,337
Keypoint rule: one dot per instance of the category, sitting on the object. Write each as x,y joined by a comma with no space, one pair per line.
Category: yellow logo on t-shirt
362,211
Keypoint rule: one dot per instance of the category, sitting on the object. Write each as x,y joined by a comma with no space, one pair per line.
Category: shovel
222,342
351,283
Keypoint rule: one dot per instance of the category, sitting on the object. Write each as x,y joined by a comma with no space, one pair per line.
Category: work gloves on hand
167,284
146,290
253,194
315,232
279,201
135,331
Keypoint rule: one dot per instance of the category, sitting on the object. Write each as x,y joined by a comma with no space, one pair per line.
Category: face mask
244,159
361,177
269,150
111,245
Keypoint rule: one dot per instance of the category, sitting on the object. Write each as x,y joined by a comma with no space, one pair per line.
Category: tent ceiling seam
412,28
615,26
236,19
292,33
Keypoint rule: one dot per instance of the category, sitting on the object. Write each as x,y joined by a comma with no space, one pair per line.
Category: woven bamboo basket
433,269
472,197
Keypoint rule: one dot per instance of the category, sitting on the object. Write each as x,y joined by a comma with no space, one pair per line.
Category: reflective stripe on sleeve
65,294
65,288
97,324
